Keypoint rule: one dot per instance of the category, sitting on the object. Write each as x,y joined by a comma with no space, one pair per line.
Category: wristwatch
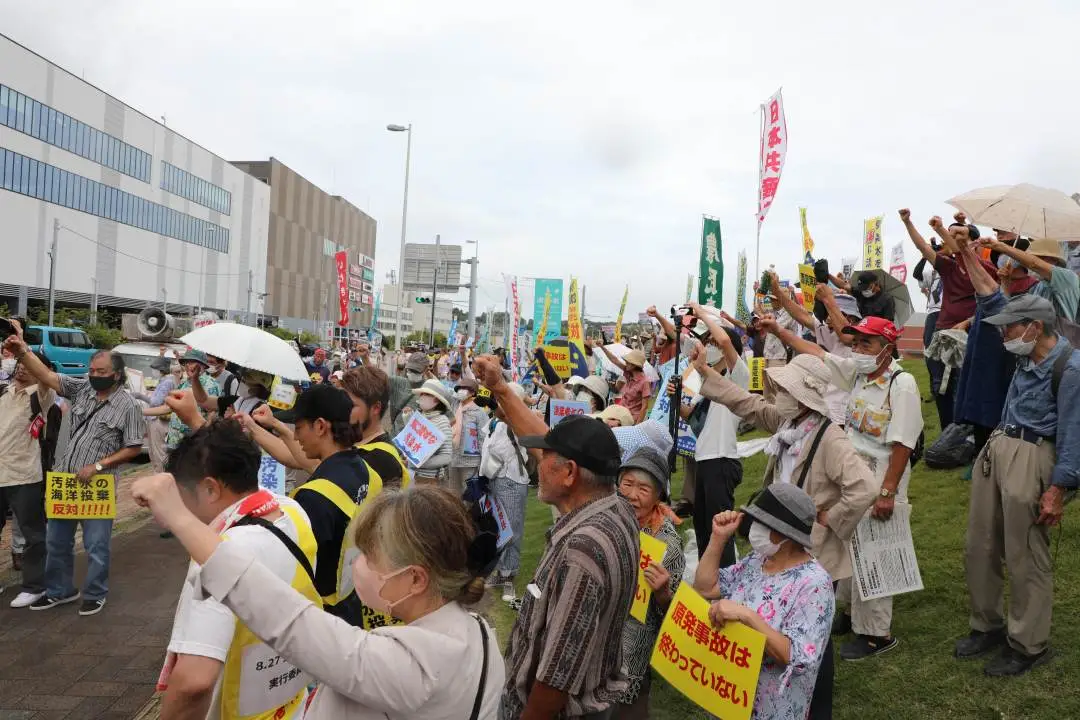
99,467
886,492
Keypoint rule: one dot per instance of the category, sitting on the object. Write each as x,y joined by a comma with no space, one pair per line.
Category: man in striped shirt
565,654
107,430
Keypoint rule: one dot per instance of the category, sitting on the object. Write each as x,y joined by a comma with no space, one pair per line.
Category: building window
191,187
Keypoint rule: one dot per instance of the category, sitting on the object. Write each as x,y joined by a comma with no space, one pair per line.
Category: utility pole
164,300
434,293
52,270
472,297
93,303
251,280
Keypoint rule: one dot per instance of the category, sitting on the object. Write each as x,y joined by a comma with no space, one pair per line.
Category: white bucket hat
806,378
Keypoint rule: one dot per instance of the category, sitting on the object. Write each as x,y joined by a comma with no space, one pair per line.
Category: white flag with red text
773,151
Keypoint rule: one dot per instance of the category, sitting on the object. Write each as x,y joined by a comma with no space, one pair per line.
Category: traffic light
423,300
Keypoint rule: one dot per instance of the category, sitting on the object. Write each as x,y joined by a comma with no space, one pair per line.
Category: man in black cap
338,487
871,297
565,653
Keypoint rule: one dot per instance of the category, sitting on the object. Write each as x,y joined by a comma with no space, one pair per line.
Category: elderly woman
779,589
643,480
809,451
433,401
418,561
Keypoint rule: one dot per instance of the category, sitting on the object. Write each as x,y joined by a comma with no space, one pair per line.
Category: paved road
55,664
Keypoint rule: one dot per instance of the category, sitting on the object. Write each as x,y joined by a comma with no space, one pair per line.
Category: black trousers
821,702
27,503
715,492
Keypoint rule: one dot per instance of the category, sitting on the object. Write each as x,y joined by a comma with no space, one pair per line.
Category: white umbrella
1024,209
619,350
249,347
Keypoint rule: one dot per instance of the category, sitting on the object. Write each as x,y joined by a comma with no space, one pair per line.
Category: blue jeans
60,566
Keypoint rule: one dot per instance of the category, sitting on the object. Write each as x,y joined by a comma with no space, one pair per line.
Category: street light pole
52,270
472,287
404,216
434,294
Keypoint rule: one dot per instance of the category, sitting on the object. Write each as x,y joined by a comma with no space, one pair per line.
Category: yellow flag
807,241
873,255
576,335
808,284
757,374
618,320
542,333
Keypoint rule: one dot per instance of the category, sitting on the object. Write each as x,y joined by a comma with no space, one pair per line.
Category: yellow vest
257,682
390,448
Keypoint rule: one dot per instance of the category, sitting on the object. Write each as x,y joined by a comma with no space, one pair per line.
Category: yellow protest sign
618,320
372,619
542,332
68,499
873,255
559,357
717,668
282,395
757,374
808,285
652,551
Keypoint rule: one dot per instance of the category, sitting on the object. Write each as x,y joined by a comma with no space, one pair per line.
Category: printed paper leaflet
883,556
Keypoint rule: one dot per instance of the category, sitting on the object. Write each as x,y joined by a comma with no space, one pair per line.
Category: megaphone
155,324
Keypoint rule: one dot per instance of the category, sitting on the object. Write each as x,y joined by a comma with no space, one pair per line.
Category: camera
686,320
6,329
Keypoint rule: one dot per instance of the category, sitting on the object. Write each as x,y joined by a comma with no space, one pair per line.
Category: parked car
68,347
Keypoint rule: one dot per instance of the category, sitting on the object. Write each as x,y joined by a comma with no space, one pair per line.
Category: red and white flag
773,151
341,260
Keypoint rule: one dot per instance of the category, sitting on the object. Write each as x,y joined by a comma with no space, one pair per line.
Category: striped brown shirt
117,425
570,638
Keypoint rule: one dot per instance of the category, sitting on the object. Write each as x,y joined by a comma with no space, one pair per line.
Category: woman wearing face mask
814,454
779,589
433,401
419,561
470,431
157,428
594,391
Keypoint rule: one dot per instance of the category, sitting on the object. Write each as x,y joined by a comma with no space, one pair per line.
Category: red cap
871,325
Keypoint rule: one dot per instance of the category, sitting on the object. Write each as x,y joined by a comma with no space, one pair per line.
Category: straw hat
435,389
1049,250
616,412
806,378
635,358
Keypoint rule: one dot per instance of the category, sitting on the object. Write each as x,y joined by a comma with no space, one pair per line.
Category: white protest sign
883,556
135,381
562,409
897,263
490,503
271,475
470,440
418,440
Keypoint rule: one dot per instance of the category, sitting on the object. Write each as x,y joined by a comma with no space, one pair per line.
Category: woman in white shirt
418,551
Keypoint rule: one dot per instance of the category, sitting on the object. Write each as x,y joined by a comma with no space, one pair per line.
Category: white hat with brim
435,389
806,378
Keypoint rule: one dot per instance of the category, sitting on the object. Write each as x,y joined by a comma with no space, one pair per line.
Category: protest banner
742,311
282,394
136,383
757,374
872,250
808,286
716,668
371,619
689,286
897,263
652,551
451,336
711,264
562,409
490,503
576,334
558,354
514,321
807,241
541,332
773,152
543,288
686,442
271,474
883,556
470,440
418,440
622,309
847,266
69,499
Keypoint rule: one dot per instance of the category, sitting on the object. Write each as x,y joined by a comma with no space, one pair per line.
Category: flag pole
761,169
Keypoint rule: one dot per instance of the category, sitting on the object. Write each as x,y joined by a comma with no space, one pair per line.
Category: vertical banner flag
897,263
757,374
485,339
618,320
689,286
773,151
807,241
375,314
541,332
711,283
341,259
543,288
808,286
847,265
514,340
451,336
575,335
872,250
742,311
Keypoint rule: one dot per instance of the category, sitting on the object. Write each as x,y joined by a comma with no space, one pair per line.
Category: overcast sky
588,138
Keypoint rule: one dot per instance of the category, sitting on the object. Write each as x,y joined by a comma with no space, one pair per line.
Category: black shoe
841,624
864,646
47,603
684,509
979,643
1011,663
92,607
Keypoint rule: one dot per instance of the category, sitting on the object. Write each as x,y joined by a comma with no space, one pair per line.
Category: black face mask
101,384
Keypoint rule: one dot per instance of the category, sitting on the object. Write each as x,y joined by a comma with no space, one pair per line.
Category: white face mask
786,405
866,364
587,397
461,395
1020,346
761,542
868,293
7,365
426,403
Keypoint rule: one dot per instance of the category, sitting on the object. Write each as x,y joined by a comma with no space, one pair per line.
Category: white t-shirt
719,435
205,627
836,398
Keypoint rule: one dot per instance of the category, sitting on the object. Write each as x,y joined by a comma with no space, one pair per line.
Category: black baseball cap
320,401
587,441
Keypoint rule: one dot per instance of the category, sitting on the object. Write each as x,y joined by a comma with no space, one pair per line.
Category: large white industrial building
137,210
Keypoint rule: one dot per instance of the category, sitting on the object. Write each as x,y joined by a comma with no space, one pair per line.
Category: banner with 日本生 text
807,285
757,374
716,668
68,499
774,139
652,551
873,254
419,439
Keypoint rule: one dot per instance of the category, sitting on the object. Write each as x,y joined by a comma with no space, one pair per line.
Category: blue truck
69,348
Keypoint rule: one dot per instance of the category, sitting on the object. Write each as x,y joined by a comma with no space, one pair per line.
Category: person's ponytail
472,592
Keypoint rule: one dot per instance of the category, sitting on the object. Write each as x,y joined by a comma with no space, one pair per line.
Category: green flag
711,267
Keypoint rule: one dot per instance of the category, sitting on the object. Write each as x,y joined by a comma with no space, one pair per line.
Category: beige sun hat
635,358
435,389
616,412
806,378
1049,250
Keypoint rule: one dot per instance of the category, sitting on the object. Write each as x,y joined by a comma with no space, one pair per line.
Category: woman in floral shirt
779,589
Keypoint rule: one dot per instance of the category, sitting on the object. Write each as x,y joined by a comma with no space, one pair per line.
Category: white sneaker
26,599
508,592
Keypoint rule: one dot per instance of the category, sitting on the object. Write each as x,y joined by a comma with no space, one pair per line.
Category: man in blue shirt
1019,482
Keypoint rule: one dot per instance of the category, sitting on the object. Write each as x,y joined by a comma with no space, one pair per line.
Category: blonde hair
426,526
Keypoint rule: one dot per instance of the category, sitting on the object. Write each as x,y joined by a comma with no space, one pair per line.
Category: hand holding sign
657,576
722,612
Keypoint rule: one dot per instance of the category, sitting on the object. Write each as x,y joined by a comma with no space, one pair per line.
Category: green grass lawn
920,679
